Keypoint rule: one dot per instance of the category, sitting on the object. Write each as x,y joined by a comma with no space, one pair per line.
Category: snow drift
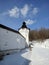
43,44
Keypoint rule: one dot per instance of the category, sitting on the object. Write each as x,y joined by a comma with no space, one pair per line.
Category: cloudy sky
34,12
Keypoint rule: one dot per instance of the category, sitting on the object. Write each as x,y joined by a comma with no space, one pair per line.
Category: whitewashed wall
11,40
25,33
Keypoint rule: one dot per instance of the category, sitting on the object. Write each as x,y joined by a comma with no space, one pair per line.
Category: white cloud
29,22
24,10
27,10
14,12
35,11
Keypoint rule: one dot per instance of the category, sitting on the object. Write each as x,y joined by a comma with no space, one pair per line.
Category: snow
43,44
38,56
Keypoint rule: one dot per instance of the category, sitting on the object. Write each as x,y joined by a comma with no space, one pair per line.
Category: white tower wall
25,33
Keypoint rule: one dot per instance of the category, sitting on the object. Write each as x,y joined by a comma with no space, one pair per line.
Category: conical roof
24,25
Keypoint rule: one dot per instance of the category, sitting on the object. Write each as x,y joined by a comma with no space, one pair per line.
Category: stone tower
24,30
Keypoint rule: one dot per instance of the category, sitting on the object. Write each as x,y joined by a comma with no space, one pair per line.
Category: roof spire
24,25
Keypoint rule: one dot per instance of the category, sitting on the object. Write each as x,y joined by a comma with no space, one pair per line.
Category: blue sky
34,12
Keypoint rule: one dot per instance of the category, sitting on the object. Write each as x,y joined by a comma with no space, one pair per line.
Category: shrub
39,34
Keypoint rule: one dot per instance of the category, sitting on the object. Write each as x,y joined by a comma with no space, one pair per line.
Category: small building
24,30
11,40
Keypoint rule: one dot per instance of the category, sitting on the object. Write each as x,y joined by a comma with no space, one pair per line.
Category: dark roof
5,27
24,26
